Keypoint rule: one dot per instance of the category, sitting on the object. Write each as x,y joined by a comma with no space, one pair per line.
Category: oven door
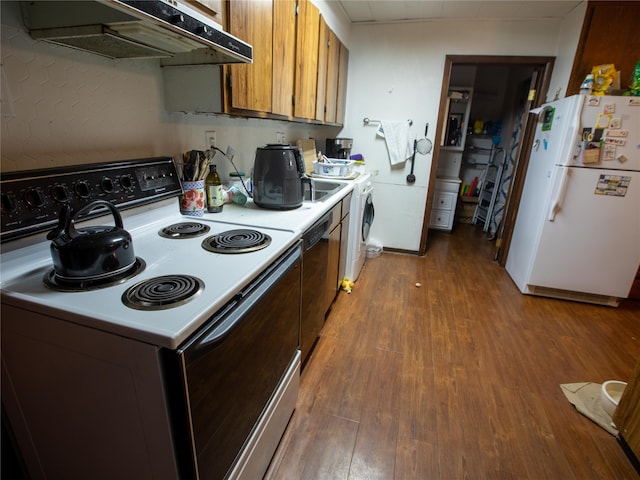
224,377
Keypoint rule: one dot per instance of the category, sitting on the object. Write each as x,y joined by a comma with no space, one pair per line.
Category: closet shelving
475,158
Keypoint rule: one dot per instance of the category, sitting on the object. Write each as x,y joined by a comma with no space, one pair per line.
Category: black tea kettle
90,252
279,177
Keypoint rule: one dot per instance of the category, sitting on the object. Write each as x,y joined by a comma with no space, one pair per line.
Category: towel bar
367,121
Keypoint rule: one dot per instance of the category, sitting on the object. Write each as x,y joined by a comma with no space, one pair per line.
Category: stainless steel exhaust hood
166,29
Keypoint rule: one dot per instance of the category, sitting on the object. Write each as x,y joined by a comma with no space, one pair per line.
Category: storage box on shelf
466,209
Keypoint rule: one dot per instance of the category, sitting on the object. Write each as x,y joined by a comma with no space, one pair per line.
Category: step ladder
489,189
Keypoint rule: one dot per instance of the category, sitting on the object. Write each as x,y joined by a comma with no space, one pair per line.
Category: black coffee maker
339,147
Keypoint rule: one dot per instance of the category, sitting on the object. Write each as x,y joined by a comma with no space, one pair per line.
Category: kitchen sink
322,190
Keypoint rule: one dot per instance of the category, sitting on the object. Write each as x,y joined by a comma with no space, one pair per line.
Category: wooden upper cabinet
306,60
333,73
627,415
323,55
328,68
251,84
342,84
299,65
284,56
608,34
211,8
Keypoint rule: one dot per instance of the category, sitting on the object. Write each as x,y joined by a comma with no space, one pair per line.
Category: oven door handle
225,320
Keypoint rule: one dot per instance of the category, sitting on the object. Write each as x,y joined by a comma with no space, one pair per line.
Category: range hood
167,29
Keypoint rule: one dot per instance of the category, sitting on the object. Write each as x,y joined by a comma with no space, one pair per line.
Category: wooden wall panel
627,414
609,35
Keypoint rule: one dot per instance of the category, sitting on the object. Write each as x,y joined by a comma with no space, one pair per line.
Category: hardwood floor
456,378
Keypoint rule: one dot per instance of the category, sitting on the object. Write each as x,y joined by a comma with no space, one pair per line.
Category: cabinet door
211,8
342,84
617,21
627,414
250,84
333,264
284,56
333,68
323,55
306,59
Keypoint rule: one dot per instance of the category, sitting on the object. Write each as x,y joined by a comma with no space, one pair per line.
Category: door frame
544,65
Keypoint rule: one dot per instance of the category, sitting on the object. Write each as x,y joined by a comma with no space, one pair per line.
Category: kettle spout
57,234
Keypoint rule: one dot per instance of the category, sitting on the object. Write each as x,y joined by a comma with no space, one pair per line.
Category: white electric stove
196,317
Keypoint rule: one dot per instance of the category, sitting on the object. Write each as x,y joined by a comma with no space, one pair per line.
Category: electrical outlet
210,139
280,137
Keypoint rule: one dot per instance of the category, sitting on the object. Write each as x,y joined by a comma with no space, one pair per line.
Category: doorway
503,90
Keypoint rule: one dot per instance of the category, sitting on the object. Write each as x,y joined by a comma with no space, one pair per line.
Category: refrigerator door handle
556,203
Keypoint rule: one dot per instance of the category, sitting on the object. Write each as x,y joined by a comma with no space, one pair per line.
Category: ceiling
372,11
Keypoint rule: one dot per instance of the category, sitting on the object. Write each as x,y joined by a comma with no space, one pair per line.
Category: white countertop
297,220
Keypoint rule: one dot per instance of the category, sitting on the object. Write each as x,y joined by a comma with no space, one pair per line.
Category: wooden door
635,287
544,66
627,414
609,35
284,56
512,202
211,8
308,31
333,71
250,84
343,66
323,56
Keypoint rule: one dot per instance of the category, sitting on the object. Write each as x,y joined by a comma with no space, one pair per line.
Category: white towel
397,136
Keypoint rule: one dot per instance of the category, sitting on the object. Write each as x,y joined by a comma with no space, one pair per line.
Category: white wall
567,43
396,72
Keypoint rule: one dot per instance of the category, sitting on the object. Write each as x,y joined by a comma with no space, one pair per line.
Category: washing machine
360,221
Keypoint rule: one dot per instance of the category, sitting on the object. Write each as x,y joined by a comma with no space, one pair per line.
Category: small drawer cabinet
444,205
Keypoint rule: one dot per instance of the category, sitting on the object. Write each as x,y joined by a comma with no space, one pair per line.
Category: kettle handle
71,230
297,153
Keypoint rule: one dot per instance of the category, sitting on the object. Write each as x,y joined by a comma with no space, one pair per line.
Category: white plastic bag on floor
374,248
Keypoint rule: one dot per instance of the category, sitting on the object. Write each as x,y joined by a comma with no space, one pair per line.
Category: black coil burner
82,284
236,241
185,230
163,292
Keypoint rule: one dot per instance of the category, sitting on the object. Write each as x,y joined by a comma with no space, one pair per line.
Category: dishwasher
314,282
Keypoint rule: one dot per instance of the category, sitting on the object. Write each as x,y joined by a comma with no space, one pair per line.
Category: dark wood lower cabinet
635,288
627,416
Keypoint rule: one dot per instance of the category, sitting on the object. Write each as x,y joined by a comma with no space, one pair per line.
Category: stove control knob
126,182
177,19
82,189
107,185
8,203
34,197
60,193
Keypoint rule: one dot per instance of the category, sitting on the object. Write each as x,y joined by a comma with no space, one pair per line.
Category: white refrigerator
577,231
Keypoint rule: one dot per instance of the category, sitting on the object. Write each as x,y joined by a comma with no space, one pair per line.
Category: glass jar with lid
238,179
